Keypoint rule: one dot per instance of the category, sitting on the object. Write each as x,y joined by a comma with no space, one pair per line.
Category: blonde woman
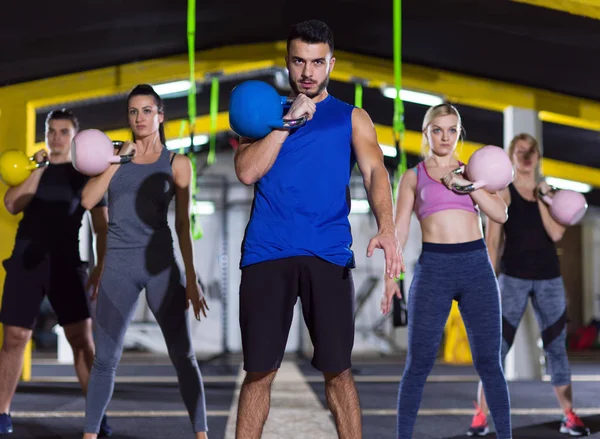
454,265
529,266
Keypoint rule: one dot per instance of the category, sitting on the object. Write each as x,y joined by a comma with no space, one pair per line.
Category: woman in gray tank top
140,255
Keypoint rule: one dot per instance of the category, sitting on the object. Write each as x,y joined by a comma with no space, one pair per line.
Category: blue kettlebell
255,108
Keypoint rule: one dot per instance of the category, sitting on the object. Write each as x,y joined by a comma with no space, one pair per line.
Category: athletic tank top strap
529,252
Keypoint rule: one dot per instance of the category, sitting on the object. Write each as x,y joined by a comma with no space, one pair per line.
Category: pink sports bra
432,196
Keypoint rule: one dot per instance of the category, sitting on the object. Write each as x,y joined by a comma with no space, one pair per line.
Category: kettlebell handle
545,197
294,123
36,165
466,189
121,158
553,189
287,101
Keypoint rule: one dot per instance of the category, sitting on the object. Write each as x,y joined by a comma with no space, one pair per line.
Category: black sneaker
5,424
105,429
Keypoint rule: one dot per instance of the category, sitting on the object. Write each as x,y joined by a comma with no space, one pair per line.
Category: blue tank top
301,205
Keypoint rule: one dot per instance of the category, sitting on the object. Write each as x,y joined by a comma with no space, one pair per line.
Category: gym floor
147,404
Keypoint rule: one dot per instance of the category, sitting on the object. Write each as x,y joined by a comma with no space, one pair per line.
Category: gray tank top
138,202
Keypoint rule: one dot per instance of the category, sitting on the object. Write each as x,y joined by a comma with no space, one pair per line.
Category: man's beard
320,87
59,152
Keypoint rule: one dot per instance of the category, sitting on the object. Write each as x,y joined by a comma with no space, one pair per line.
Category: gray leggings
549,303
125,274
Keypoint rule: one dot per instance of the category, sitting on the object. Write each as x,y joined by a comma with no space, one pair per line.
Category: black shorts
25,287
268,292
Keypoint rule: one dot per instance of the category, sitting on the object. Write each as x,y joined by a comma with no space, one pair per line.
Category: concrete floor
147,404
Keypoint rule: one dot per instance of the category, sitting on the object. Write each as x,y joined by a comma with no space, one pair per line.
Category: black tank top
51,221
529,253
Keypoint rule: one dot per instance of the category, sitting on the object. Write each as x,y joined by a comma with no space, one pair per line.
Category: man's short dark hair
63,114
311,32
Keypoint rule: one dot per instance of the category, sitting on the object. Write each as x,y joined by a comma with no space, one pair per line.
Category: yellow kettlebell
15,167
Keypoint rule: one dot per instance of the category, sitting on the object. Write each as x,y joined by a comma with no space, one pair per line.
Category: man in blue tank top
298,239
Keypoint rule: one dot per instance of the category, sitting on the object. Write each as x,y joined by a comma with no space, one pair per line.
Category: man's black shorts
268,292
26,285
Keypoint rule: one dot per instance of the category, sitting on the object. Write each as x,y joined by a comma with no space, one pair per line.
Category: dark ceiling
497,39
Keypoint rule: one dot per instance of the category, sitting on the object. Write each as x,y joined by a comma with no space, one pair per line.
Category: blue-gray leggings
125,275
447,272
549,303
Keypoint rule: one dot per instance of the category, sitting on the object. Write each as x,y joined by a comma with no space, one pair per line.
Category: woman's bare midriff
451,227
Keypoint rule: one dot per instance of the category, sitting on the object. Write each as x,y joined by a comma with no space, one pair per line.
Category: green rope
358,95
197,232
214,112
358,101
191,36
398,124
181,131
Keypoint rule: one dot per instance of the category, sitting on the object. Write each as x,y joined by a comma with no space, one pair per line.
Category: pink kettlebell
92,152
489,168
567,207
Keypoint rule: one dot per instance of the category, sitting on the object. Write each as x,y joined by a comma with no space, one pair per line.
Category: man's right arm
18,197
254,158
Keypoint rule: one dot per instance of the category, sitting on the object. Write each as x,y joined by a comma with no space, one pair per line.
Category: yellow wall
13,129
12,136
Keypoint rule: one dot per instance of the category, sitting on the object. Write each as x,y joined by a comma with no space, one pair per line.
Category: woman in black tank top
529,266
